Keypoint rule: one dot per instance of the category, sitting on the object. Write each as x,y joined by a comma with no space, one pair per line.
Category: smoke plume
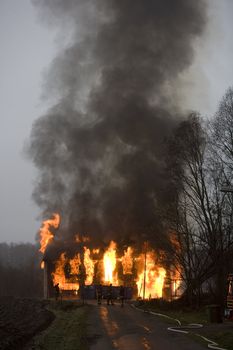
100,150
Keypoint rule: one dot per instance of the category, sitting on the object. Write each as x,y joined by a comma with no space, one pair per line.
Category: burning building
144,272
100,148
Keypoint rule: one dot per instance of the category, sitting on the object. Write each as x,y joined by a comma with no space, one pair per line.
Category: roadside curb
183,329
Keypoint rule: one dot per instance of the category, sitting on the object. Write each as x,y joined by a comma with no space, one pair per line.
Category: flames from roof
46,236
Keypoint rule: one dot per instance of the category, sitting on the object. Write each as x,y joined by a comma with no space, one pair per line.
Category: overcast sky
27,48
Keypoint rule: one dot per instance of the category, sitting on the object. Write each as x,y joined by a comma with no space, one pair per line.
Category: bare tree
221,131
198,212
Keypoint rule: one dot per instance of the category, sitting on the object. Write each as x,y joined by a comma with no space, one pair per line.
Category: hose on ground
185,329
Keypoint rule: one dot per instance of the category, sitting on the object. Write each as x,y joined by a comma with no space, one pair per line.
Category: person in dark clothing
99,294
109,295
57,291
122,295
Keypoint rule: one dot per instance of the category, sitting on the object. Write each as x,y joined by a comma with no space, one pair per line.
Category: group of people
109,296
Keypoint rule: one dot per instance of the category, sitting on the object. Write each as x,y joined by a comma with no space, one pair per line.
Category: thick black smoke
100,150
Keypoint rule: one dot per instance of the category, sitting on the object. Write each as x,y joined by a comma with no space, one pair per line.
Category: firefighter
109,295
57,291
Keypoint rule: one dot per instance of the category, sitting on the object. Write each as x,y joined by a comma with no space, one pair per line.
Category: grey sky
27,48
212,71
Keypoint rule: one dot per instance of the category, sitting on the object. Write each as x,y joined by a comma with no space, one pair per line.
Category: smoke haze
100,149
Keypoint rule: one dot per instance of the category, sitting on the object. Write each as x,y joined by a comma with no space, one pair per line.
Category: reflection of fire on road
143,271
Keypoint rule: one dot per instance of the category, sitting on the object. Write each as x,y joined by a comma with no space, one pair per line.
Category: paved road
113,327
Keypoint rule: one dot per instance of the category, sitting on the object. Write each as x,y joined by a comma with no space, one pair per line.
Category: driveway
114,327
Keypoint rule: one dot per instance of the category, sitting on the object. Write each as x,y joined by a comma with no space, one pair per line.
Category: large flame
151,279
127,261
46,236
143,271
89,266
66,272
109,260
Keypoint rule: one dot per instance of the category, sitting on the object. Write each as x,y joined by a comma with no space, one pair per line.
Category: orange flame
145,269
175,241
176,284
127,261
46,236
151,277
84,239
89,266
109,260
70,282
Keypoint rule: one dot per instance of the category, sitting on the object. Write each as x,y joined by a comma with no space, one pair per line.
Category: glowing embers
150,280
109,260
46,236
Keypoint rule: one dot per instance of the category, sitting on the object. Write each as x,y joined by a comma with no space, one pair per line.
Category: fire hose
185,329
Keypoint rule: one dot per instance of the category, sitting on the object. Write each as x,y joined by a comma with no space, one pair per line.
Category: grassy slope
67,332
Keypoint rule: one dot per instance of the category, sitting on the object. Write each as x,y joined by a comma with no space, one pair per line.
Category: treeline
20,273
200,215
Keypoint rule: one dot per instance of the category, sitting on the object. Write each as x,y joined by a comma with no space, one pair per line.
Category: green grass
186,316
68,330
225,339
